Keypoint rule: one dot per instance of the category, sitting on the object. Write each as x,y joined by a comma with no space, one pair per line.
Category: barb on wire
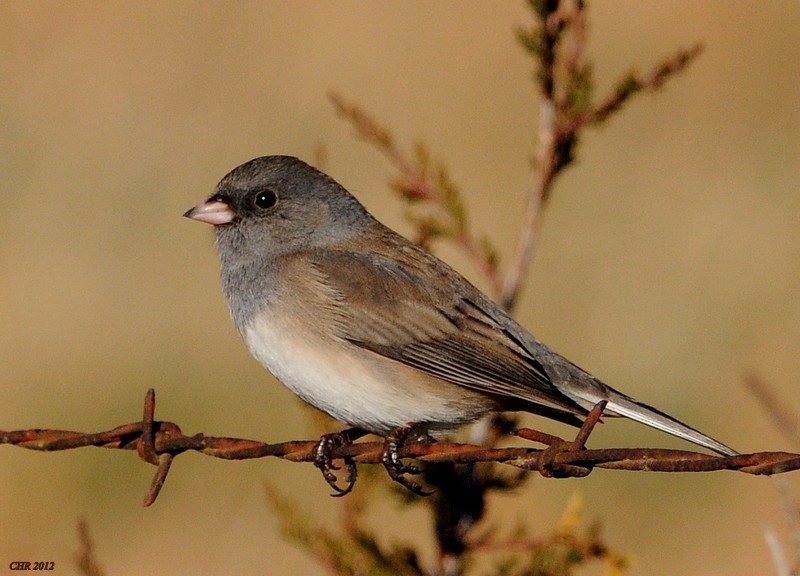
158,442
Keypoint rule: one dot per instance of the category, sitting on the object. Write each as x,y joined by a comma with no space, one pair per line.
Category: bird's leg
391,461
323,458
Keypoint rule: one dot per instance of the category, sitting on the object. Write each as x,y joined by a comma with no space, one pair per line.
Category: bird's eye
264,199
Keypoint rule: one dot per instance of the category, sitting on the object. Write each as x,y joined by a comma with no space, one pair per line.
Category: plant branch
565,84
420,179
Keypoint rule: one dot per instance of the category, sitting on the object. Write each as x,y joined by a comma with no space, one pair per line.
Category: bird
374,330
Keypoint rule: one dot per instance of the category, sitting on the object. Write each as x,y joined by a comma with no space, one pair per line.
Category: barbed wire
158,442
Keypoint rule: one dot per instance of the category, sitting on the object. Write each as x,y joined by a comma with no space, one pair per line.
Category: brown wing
416,310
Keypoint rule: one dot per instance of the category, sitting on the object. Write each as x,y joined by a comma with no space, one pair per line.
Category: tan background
669,263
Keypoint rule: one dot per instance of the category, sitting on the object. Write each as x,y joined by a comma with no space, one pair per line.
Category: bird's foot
323,459
396,469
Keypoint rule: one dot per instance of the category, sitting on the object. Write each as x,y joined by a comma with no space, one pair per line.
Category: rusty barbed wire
158,442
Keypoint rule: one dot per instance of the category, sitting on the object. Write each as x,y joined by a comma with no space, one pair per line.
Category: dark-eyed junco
374,330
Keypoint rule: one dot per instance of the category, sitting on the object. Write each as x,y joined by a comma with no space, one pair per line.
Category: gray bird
372,329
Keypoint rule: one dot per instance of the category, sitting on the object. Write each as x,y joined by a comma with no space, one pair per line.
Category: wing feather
450,332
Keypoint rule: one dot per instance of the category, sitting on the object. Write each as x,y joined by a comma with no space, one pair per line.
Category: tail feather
625,406
593,391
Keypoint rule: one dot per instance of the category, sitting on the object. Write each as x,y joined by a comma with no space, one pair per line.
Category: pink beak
214,212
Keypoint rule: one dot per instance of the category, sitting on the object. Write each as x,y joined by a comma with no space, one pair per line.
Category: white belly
354,385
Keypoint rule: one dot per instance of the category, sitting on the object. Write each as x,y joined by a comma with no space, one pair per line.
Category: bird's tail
623,405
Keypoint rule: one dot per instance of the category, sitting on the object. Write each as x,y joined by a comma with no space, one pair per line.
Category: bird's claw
396,469
323,460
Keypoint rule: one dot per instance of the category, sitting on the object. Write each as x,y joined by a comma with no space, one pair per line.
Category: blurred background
668,264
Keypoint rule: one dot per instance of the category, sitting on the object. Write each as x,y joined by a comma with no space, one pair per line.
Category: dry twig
420,179
85,558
